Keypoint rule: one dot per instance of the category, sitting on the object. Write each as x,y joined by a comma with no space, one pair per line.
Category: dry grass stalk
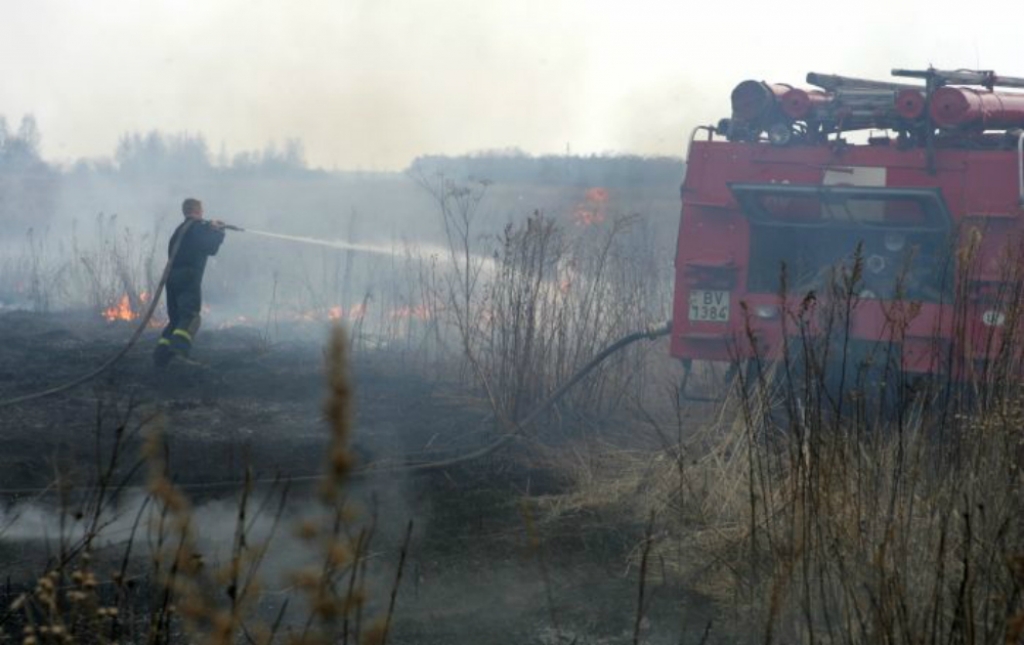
849,513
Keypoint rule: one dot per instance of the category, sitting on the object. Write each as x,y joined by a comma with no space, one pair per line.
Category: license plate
706,305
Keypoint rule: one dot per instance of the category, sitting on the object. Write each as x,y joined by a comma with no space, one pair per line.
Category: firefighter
199,239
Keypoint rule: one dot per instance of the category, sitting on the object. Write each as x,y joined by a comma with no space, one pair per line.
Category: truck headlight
766,312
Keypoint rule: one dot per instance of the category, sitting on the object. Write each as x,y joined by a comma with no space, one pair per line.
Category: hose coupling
656,330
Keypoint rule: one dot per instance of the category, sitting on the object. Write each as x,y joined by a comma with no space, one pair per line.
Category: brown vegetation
859,512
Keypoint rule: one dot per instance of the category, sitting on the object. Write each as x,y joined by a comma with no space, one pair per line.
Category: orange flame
593,209
337,312
357,310
121,310
417,312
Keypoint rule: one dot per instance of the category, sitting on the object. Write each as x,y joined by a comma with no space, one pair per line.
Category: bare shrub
57,272
535,304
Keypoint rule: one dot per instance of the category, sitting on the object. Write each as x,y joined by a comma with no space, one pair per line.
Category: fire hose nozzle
220,225
655,330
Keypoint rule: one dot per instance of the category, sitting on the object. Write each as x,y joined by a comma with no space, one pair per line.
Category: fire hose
143,322
517,427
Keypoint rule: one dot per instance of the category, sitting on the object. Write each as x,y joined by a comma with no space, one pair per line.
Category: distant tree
295,153
158,154
513,166
27,184
85,167
28,134
271,160
20,151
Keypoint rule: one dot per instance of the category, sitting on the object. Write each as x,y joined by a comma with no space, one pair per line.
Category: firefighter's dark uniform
199,240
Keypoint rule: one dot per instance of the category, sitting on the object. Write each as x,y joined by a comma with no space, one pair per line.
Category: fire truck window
812,256
866,210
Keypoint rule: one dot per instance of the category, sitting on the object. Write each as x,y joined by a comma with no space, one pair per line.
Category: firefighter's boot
162,354
180,343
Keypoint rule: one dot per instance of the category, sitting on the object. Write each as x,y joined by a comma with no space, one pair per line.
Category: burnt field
386,486
248,404
236,493
225,498
487,561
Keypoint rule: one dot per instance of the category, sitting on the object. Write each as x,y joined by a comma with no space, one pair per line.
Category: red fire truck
910,193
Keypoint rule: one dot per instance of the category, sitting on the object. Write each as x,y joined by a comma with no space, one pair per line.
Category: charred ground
483,567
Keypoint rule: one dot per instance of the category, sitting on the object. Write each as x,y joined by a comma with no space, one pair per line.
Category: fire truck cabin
904,200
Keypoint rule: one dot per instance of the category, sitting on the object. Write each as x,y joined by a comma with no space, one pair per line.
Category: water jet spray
334,244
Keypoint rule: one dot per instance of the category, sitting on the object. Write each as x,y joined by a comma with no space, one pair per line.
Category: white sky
370,84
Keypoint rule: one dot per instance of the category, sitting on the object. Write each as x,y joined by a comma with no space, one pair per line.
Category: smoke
41,528
364,85
368,85
671,111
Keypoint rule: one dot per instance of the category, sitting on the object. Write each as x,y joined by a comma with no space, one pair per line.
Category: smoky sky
372,84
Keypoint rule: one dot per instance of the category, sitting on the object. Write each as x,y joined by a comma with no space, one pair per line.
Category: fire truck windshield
919,210
803,230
